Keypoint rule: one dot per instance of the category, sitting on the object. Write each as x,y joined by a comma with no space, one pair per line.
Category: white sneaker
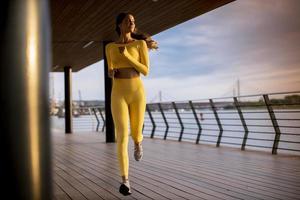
138,152
125,188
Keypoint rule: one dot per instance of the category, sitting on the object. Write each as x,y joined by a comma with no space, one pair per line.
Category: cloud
89,81
232,38
255,41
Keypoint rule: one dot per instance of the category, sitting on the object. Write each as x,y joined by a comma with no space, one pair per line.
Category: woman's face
128,24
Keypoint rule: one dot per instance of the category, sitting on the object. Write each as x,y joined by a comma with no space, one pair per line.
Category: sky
254,41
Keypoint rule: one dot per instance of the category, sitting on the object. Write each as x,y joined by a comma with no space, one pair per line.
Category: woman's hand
111,72
121,50
151,44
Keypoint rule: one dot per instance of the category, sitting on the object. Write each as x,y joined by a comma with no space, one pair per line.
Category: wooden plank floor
85,167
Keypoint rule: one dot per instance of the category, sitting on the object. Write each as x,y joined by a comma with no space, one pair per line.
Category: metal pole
25,148
274,122
152,121
68,100
218,121
102,117
109,123
238,107
98,121
197,121
165,120
180,121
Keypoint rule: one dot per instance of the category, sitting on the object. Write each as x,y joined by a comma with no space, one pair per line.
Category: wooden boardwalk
85,167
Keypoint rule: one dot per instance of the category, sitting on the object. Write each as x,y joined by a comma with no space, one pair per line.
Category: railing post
98,122
218,121
197,121
238,107
102,117
274,122
165,120
180,121
152,121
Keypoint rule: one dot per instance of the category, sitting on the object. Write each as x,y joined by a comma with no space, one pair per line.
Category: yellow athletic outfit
128,96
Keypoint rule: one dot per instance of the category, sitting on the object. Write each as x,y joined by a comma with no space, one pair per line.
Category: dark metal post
98,121
179,119
274,122
238,107
152,121
218,121
102,117
109,123
197,121
25,60
68,100
165,120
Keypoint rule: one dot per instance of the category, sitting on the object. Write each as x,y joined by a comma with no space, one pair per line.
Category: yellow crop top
135,55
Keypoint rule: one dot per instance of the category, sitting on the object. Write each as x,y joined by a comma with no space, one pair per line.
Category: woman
127,58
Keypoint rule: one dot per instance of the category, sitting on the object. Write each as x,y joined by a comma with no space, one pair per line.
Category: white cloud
255,41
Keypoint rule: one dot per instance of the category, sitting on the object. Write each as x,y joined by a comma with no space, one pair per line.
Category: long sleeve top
135,55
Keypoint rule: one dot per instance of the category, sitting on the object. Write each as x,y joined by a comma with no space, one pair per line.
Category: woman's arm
143,66
109,62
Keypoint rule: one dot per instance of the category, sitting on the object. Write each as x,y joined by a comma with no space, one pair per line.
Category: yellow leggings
127,102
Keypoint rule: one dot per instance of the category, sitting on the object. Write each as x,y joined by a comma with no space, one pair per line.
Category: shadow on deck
85,167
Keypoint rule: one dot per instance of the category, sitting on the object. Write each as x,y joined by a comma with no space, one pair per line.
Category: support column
165,120
25,60
68,100
238,107
214,109
197,121
110,132
274,122
103,119
180,121
152,121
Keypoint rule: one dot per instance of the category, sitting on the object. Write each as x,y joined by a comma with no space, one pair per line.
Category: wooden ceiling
75,23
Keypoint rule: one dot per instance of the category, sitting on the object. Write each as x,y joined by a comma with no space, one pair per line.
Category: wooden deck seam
216,197
84,183
226,189
156,161
85,169
171,170
115,168
177,160
78,185
115,191
71,187
97,166
175,188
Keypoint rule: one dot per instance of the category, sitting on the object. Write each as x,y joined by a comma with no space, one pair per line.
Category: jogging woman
128,58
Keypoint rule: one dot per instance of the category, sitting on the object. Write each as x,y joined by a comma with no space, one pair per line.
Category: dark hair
136,34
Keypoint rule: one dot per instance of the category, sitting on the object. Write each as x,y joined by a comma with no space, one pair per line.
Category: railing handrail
229,97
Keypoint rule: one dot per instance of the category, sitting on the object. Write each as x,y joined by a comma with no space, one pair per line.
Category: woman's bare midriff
126,73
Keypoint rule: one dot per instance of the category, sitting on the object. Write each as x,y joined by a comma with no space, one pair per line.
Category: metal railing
90,119
268,122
